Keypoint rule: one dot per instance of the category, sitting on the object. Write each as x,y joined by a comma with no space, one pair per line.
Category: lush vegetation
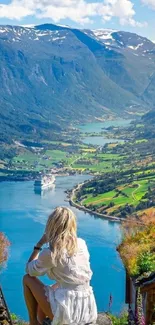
119,194
124,180
17,320
120,320
137,249
126,183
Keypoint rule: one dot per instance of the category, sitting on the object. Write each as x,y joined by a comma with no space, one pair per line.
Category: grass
91,159
89,150
56,155
38,161
64,144
27,157
17,320
110,197
103,162
134,193
27,160
109,156
141,141
98,162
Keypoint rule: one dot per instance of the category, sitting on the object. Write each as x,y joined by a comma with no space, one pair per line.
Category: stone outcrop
103,319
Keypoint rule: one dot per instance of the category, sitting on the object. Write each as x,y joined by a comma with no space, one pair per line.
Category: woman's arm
38,248
39,263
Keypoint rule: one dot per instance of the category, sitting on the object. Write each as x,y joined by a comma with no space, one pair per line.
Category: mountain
53,75
149,117
148,129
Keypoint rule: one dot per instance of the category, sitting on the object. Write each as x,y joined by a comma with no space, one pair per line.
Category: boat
44,182
44,192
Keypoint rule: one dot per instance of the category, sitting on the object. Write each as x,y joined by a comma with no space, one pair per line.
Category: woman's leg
40,315
34,294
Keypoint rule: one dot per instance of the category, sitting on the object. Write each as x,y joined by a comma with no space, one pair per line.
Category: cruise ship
44,182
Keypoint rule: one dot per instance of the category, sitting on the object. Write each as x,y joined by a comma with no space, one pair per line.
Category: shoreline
83,208
70,197
27,178
13,178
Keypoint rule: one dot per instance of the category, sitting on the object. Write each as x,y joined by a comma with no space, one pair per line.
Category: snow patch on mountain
103,34
58,38
135,48
28,26
13,34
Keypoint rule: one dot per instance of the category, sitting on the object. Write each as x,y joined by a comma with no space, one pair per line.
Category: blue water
98,127
23,215
100,141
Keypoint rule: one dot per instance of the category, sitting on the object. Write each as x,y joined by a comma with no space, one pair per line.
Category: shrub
137,249
146,262
121,320
17,320
4,244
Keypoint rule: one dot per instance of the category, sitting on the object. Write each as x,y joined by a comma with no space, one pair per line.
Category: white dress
73,302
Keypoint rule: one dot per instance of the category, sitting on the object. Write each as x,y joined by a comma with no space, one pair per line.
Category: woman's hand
42,241
55,286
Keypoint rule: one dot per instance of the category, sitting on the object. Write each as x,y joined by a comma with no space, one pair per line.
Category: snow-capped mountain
12,34
124,40
60,74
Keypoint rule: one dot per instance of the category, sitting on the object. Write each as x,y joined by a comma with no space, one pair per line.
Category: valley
102,76
126,181
123,170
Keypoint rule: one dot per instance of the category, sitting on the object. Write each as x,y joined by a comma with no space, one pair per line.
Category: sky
136,16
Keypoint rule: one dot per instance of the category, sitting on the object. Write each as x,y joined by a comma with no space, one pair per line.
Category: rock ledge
102,319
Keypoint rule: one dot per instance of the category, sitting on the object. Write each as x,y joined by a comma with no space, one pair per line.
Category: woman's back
73,270
71,300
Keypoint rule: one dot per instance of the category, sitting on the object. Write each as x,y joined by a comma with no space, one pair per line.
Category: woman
66,260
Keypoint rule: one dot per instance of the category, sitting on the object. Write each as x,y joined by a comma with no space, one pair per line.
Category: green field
38,161
55,155
134,193
98,162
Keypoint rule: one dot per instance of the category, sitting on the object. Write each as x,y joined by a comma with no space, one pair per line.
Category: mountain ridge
53,75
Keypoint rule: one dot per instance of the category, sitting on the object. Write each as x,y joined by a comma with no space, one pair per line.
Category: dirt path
133,193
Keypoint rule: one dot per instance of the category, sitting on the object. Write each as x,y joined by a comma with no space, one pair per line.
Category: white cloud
122,9
149,3
13,11
79,11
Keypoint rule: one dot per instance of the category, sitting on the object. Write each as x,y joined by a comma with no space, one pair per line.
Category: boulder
103,319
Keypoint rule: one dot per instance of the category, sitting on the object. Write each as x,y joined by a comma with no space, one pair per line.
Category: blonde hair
61,233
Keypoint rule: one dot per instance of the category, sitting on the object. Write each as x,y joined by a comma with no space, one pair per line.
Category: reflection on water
44,192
